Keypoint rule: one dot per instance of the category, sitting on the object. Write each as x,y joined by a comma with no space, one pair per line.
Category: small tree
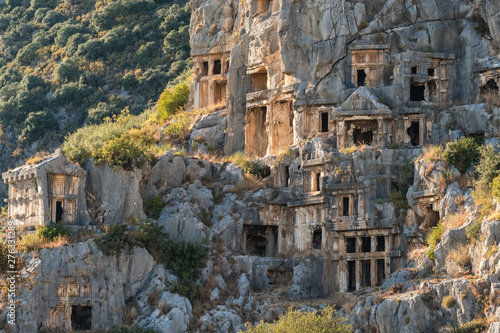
322,321
172,100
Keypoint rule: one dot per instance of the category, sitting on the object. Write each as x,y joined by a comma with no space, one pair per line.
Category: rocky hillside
66,64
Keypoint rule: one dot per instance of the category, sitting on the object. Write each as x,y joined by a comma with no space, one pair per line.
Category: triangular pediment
363,99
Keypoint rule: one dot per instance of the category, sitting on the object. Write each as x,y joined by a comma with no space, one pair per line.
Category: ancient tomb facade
50,191
424,76
367,65
489,82
210,82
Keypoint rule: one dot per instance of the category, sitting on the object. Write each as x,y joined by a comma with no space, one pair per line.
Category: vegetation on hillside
325,320
69,63
185,259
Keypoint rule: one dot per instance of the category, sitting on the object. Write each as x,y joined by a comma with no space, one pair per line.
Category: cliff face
311,53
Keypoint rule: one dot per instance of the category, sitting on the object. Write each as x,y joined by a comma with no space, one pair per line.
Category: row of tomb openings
361,132
262,241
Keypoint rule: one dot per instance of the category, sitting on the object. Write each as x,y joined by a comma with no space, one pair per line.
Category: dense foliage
66,63
324,320
52,231
185,259
463,153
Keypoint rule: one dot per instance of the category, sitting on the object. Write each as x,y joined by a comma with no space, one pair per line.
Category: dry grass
31,242
448,301
37,158
455,221
152,299
460,255
57,242
130,313
416,251
432,153
164,308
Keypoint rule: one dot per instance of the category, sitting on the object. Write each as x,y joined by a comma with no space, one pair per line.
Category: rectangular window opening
365,273
380,271
317,239
414,69
217,67
204,68
366,244
324,122
345,206
351,272
430,71
350,244
380,243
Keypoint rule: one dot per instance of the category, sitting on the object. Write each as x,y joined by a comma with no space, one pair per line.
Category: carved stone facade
48,192
334,97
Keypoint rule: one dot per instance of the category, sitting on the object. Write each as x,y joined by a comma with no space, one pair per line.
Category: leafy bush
117,238
80,145
67,71
129,329
324,320
463,153
153,207
489,165
172,101
52,231
38,124
121,152
495,187
434,238
448,301
472,231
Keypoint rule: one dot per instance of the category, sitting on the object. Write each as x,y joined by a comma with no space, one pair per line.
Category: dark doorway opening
217,67
59,211
318,182
380,243
204,68
380,271
351,275
324,122
362,137
414,133
490,87
366,244
317,239
361,77
350,244
287,176
365,273
414,70
81,317
417,92
430,71
261,240
345,206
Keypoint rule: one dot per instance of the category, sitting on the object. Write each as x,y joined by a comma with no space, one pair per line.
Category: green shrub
187,288
27,54
121,152
324,320
129,329
68,70
172,101
475,326
38,124
489,165
448,301
434,238
153,207
80,145
117,239
463,153
52,231
495,187
472,231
